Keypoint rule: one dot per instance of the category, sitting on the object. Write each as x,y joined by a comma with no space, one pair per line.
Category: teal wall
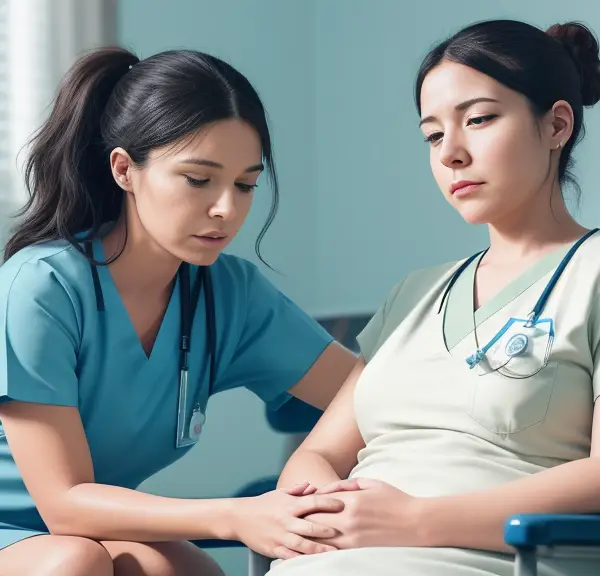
359,207
379,212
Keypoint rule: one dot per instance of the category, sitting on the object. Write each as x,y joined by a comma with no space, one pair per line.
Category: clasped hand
374,514
345,514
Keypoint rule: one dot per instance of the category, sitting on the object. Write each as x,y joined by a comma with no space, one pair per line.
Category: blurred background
359,207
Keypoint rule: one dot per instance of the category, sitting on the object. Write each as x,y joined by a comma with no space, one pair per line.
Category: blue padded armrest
530,530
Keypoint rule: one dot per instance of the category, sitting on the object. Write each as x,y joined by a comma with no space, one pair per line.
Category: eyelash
245,188
431,139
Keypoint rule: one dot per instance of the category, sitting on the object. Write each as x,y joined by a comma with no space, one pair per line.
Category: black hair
108,99
559,64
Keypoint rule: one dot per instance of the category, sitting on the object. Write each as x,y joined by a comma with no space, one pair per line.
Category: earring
559,146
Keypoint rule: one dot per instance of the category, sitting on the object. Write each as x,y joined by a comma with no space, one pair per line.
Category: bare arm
49,446
330,450
322,382
476,520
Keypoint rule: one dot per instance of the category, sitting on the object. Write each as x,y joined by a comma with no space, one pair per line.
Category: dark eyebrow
211,164
460,108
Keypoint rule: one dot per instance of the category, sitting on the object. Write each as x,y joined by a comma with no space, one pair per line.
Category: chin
201,259
477,215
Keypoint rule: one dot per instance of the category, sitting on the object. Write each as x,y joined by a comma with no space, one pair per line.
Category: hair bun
582,45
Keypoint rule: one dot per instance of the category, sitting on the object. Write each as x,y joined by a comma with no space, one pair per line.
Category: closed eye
195,182
479,120
246,188
433,138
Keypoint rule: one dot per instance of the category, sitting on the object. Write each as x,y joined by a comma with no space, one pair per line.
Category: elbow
62,523
63,518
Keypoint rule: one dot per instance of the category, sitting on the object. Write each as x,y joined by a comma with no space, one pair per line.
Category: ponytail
67,173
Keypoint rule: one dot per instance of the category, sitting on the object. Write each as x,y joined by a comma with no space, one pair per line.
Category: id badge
188,434
519,350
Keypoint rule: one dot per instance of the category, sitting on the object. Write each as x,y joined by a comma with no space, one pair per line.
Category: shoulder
403,297
417,283
47,274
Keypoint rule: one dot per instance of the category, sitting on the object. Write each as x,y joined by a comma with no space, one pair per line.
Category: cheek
164,203
243,203
166,193
512,155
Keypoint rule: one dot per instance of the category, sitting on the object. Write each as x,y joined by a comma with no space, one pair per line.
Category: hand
273,524
375,514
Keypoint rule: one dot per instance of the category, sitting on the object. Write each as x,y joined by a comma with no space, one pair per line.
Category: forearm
307,466
476,520
103,512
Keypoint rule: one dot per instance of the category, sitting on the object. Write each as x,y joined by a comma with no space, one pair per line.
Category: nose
224,206
453,153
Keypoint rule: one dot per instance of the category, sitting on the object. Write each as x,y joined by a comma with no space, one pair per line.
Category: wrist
225,520
426,515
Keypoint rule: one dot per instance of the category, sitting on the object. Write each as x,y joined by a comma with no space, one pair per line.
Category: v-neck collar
114,304
460,317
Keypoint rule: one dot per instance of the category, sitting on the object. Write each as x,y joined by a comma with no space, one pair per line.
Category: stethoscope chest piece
516,345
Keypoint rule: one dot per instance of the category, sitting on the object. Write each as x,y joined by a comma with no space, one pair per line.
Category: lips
463,185
213,235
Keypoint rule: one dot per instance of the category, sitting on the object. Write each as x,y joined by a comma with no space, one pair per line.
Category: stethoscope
190,434
518,343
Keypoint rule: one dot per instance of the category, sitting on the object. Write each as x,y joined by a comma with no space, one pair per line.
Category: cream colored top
432,426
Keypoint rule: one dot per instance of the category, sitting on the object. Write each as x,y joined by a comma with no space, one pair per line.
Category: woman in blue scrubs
121,316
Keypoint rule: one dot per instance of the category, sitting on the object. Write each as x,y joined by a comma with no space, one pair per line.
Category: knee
81,557
160,559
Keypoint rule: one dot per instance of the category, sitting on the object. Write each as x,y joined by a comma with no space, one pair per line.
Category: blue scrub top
57,349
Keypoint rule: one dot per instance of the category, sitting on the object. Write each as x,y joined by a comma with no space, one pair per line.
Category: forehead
228,142
450,84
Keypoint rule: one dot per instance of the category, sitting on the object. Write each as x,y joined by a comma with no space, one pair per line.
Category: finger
284,553
309,490
339,542
304,546
315,503
311,529
331,520
341,486
298,489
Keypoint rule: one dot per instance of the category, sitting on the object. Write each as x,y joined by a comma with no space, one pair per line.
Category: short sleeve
38,341
372,335
596,372
278,345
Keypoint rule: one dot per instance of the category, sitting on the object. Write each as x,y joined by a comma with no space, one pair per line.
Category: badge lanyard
518,344
187,434
188,309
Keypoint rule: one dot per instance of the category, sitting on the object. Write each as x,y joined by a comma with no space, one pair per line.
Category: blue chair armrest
212,544
531,530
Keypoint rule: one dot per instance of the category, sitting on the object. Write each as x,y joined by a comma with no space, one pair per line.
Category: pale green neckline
459,319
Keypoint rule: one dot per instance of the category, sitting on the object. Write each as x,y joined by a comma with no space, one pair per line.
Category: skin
515,154
99,530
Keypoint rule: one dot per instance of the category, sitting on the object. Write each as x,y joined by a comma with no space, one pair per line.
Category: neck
143,268
540,226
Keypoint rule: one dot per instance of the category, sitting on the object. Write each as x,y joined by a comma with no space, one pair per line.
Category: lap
47,554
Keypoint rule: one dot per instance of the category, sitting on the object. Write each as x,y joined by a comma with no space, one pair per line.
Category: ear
121,166
560,127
